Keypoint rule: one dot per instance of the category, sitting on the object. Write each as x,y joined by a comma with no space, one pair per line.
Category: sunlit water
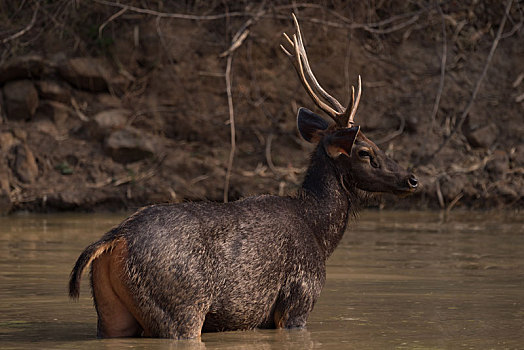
398,280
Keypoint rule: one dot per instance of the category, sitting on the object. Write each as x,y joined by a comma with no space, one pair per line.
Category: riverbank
134,109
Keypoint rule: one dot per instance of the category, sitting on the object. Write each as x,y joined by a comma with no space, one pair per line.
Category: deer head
356,157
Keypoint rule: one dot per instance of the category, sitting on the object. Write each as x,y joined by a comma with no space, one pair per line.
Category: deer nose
412,181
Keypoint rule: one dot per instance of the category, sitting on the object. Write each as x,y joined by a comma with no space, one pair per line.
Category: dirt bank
106,107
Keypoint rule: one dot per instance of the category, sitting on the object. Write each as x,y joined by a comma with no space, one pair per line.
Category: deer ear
341,142
310,125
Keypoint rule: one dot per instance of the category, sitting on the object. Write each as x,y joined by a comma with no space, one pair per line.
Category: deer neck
327,201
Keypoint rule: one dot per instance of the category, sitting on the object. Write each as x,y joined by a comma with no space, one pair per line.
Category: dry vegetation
111,106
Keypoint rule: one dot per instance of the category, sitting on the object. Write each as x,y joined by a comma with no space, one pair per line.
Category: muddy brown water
398,280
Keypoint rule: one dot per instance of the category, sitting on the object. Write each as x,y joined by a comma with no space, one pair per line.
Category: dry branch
442,69
109,20
172,15
269,159
454,201
232,127
25,30
236,43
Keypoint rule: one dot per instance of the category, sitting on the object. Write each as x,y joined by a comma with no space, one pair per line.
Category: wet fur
176,270
257,262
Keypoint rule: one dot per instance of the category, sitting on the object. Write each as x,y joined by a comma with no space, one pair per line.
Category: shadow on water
400,280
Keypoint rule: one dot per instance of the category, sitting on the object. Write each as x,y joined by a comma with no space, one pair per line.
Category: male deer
177,270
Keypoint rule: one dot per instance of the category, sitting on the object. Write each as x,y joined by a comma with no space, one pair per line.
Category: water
398,280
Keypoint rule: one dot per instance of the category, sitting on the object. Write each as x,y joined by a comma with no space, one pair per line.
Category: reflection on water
403,280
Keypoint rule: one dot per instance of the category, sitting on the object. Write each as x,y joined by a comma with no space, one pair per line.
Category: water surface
398,280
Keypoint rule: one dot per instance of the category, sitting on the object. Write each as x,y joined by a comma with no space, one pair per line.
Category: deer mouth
404,193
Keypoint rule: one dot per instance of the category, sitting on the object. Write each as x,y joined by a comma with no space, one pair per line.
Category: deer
178,270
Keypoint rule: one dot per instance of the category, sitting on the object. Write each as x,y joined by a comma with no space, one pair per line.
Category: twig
516,171
442,68
164,43
26,29
123,180
172,15
232,127
20,7
129,178
457,169
78,111
269,160
243,32
517,26
372,27
236,43
383,22
347,23
62,24
394,134
517,81
369,27
392,28
465,114
197,179
439,193
362,26
454,201
109,20
288,171
281,186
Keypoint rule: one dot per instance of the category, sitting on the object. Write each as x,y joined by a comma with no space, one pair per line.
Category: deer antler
344,117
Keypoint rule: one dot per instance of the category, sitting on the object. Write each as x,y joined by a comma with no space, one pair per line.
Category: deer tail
92,252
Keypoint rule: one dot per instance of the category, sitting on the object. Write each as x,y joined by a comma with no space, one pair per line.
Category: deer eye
364,154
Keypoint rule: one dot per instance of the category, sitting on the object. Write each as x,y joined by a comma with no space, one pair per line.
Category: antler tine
355,104
333,101
351,109
297,63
